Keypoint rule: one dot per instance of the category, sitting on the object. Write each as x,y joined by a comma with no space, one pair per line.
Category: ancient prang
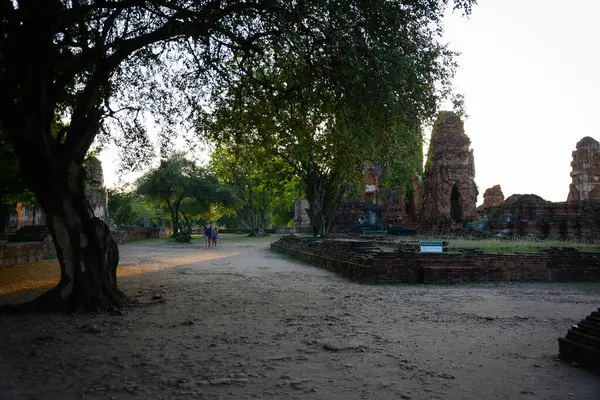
492,197
585,173
449,191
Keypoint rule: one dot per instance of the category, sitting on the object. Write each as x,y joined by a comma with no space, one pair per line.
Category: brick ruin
28,215
585,174
446,199
492,197
364,261
301,219
582,343
567,220
449,189
25,215
577,218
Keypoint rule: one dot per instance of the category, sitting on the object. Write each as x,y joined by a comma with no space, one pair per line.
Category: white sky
530,73
529,70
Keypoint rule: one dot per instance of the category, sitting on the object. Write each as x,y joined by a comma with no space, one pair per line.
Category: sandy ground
241,322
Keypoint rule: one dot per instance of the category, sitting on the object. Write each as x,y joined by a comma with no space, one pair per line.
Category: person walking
208,232
215,236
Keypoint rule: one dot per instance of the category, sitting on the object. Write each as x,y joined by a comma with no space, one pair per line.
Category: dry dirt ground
241,322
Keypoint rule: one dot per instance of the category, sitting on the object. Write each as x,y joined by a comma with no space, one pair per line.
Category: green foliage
508,245
120,208
13,187
347,83
128,208
261,185
188,191
340,72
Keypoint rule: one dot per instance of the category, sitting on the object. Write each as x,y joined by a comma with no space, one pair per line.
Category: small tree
259,184
185,188
120,207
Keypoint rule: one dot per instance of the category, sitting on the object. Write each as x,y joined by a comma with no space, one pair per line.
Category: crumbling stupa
449,192
492,197
585,173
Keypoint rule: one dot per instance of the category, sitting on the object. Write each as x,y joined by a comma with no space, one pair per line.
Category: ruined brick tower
585,173
95,189
449,192
492,197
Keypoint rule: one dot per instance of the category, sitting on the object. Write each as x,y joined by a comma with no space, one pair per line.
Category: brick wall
23,252
362,260
123,236
576,219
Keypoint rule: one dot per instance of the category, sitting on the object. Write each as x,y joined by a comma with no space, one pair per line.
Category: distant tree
259,184
127,208
120,207
185,188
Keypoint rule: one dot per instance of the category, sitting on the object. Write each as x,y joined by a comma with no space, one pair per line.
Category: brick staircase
582,343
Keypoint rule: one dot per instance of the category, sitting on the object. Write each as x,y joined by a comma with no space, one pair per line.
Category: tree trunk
4,217
314,195
176,222
324,197
173,219
87,253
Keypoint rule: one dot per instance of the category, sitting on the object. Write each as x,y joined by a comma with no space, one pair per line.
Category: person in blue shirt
215,236
208,230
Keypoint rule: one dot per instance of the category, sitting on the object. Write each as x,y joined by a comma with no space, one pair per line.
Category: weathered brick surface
571,220
582,343
20,253
585,171
362,260
23,252
124,236
450,166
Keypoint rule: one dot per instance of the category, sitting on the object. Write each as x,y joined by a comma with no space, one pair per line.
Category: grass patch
244,238
517,245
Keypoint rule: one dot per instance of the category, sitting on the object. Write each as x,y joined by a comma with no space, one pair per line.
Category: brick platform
582,343
20,253
362,260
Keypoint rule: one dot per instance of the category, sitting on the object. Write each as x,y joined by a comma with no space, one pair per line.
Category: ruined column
492,197
585,173
449,191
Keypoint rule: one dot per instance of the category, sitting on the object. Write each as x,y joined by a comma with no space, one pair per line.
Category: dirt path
240,322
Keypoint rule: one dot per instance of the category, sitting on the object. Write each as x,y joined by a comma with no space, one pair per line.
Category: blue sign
431,247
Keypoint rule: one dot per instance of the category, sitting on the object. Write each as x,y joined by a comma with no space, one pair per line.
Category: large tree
356,88
79,59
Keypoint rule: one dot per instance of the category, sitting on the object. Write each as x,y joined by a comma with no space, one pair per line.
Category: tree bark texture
87,253
324,198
